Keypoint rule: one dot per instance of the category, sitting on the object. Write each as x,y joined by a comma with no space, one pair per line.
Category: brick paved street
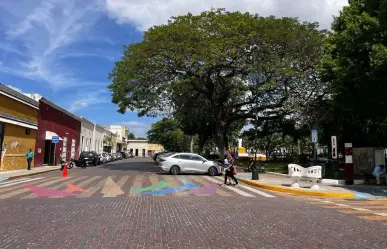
127,204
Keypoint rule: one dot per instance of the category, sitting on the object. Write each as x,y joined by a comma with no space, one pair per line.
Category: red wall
54,120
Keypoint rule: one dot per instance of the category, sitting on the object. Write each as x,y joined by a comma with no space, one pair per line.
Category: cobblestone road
126,204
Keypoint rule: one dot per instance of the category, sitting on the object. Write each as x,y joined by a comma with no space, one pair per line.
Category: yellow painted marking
93,189
376,217
111,189
22,185
26,190
352,211
137,184
351,207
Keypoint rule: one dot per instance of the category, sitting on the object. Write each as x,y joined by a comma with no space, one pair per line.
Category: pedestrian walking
229,172
30,155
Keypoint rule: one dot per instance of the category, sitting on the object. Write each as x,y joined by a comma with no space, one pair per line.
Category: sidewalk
8,175
282,184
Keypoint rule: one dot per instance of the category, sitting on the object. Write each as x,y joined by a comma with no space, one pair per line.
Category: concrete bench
297,173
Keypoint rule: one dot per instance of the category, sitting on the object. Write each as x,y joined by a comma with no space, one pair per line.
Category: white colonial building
121,133
87,129
141,148
98,136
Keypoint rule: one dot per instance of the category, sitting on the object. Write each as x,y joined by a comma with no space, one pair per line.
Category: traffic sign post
54,140
314,141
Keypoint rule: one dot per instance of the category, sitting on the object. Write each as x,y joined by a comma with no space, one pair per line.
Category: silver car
176,163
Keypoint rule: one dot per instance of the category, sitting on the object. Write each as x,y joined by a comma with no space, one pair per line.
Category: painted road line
240,192
64,185
87,182
25,190
111,188
373,217
15,180
19,182
136,184
22,186
381,214
256,191
33,195
93,189
174,184
201,180
186,186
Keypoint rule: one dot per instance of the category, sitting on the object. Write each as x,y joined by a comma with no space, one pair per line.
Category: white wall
86,140
98,139
140,145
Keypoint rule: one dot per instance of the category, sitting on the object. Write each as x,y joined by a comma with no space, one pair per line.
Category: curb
298,191
35,173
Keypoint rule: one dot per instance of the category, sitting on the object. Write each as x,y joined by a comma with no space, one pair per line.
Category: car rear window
85,154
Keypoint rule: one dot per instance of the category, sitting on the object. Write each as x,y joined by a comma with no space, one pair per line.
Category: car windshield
86,154
168,154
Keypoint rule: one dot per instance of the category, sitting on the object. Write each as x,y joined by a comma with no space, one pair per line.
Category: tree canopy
236,64
354,65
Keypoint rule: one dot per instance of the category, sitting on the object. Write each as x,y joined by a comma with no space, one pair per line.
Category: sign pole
348,168
314,141
54,163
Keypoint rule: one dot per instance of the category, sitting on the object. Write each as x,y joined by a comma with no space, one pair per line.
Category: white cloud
44,34
139,129
87,98
1,63
146,13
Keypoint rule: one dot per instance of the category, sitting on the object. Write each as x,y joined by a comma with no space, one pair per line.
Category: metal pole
54,163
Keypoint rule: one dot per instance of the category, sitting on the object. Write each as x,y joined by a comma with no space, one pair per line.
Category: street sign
55,139
334,147
314,136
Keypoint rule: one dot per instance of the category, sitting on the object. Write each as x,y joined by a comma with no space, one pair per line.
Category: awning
50,134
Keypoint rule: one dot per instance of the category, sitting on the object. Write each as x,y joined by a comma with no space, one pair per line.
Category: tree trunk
221,139
191,144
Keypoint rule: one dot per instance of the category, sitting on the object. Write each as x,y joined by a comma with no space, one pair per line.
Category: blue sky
65,49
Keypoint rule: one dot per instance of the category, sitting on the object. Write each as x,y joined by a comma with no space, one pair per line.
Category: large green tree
167,132
214,55
355,66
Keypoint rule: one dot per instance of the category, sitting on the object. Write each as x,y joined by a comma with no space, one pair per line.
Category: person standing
30,155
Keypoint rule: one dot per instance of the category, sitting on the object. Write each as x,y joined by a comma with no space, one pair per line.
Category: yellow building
18,127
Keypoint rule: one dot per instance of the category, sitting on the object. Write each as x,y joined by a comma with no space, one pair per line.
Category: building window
28,131
73,148
64,149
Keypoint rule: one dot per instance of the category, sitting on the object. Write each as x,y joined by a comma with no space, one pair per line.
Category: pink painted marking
209,189
39,191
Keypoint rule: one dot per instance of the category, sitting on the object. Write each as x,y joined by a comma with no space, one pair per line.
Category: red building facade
56,121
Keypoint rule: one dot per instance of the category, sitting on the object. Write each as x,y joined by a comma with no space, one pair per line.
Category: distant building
121,133
141,148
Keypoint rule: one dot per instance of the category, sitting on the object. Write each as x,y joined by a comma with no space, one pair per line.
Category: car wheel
175,170
95,163
212,171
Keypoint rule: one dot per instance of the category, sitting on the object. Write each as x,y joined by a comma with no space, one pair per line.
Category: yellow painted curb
297,191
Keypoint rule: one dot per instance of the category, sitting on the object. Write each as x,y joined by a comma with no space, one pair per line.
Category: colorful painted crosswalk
123,185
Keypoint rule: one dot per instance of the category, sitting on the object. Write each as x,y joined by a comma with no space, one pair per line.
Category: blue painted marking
187,186
3,179
359,195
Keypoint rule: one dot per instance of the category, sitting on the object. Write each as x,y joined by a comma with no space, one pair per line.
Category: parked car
89,157
108,157
103,158
123,154
176,163
119,156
